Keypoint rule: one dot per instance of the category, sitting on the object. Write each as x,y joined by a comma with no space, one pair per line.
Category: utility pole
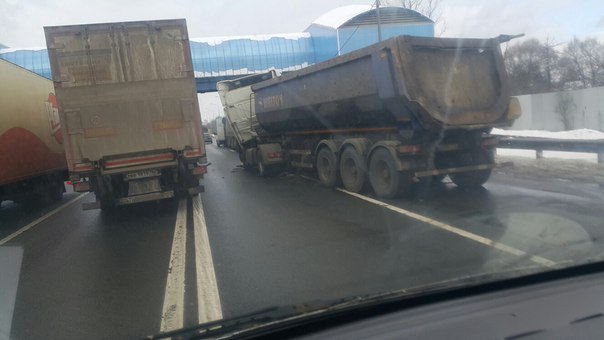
379,23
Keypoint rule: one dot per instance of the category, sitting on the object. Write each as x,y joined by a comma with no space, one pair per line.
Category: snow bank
589,157
582,134
245,71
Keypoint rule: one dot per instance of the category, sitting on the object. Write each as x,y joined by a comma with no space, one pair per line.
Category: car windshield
167,164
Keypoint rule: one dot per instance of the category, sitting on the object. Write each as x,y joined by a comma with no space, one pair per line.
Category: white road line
173,309
477,238
32,224
208,298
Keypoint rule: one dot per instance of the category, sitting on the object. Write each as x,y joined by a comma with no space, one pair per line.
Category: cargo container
127,97
32,159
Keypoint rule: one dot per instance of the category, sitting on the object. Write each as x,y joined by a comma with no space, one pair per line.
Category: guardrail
539,144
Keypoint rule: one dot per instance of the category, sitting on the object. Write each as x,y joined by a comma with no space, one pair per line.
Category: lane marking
208,298
173,308
49,214
471,236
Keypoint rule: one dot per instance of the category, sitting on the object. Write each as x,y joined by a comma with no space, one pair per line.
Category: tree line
536,66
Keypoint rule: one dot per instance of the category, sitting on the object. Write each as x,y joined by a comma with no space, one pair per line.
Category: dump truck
382,117
126,94
32,159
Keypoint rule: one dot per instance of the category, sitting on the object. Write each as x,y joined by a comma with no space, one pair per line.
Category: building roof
338,16
388,15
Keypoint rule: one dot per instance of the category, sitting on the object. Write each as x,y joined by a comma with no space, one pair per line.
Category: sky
22,21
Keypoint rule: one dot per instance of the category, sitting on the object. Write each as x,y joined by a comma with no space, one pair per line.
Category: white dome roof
338,16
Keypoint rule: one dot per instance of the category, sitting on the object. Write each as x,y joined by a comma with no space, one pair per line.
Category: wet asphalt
282,241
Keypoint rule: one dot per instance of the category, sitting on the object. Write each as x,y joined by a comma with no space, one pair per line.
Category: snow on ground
583,134
579,171
589,157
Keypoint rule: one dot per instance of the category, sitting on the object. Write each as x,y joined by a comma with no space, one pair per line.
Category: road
250,242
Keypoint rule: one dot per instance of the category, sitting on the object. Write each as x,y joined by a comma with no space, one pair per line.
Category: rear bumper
154,196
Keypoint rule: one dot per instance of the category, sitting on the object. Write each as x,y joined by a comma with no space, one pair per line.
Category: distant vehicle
132,129
32,158
379,116
220,131
207,137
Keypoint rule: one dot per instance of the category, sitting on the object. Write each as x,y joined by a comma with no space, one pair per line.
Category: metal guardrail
539,144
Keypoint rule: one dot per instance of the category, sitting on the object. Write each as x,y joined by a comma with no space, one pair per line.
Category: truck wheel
263,169
57,190
327,169
241,153
385,180
473,179
107,203
352,170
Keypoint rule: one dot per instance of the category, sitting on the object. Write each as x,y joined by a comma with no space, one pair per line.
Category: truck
220,131
126,94
32,158
383,117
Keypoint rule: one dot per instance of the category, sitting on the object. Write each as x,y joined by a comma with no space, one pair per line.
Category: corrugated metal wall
540,112
245,55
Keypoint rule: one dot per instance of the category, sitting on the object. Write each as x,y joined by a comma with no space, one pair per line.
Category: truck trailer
32,159
384,116
126,94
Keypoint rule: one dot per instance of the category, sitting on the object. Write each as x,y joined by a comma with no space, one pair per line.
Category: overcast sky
21,21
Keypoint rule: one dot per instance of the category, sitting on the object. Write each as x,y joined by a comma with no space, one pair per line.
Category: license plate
142,174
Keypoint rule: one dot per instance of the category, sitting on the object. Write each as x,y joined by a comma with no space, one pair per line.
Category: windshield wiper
278,314
245,321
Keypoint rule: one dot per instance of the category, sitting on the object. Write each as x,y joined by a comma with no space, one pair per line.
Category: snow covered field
581,134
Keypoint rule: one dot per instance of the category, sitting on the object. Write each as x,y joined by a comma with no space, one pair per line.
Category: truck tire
385,180
473,179
241,153
353,170
57,188
107,203
264,170
327,168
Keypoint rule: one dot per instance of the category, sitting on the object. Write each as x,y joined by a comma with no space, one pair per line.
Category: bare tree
582,63
565,108
428,8
528,66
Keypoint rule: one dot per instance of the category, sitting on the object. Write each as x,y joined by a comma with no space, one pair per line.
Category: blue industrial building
341,30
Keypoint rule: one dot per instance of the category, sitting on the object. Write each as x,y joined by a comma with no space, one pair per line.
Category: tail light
81,187
192,153
273,155
409,149
489,142
81,167
200,170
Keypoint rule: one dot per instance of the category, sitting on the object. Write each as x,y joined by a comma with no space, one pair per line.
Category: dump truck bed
436,82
